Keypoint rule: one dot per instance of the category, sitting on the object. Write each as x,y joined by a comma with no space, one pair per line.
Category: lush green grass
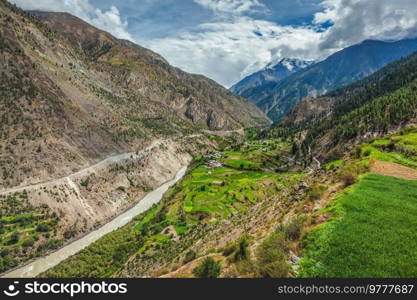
334,164
391,156
400,148
223,191
371,232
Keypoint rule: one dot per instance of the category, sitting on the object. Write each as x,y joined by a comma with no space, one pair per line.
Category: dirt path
392,169
240,131
84,172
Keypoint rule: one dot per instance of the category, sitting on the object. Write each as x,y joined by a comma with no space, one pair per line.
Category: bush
391,146
349,175
293,229
242,252
348,178
315,192
14,238
209,268
189,256
42,227
229,250
366,153
28,242
356,153
271,257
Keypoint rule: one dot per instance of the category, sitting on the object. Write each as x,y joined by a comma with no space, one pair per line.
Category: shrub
293,229
390,146
42,227
348,178
242,252
366,153
271,257
121,189
356,153
315,192
14,238
209,268
349,175
28,242
230,249
189,256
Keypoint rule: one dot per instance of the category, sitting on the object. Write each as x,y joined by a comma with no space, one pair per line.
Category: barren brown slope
149,75
73,96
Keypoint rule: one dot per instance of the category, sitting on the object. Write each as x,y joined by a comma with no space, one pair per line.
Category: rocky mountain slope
73,94
272,73
342,68
382,102
80,113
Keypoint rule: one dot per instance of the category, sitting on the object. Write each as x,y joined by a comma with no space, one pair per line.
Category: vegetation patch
203,198
25,230
371,232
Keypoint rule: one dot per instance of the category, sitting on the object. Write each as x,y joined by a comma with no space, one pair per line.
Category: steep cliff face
308,109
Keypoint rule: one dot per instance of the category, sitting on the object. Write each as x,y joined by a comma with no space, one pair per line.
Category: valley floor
251,209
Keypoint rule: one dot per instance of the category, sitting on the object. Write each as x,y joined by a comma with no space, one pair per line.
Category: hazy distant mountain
342,68
273,72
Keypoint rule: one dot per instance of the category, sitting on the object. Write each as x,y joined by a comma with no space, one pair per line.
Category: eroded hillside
88,125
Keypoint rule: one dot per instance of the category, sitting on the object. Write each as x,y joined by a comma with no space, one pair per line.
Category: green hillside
371,232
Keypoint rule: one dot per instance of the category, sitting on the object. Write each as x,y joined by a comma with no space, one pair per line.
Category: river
42,264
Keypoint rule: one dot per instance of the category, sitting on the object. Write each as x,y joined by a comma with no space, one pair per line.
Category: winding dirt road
44,263
84,172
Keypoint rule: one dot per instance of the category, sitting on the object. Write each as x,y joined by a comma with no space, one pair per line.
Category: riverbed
42,264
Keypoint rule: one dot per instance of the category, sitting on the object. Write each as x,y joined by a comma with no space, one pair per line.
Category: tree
209,268
294,148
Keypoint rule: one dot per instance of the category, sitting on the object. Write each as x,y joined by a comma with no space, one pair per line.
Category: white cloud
232,6
234,45
237,41
356,20
109,20
227,51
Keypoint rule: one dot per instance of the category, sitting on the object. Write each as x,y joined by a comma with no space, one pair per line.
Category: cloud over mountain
109,20
233,38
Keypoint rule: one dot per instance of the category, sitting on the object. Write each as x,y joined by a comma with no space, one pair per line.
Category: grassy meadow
371,232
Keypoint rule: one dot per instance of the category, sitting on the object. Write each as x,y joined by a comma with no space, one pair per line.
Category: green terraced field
204,196
400,148
24,230
371,232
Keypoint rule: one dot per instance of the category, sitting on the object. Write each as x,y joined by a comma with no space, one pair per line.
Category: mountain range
272,73
113,163
276,99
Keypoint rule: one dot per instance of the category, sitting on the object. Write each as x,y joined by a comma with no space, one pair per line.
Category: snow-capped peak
290,64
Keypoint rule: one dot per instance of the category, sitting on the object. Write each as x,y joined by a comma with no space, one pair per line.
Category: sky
227,40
